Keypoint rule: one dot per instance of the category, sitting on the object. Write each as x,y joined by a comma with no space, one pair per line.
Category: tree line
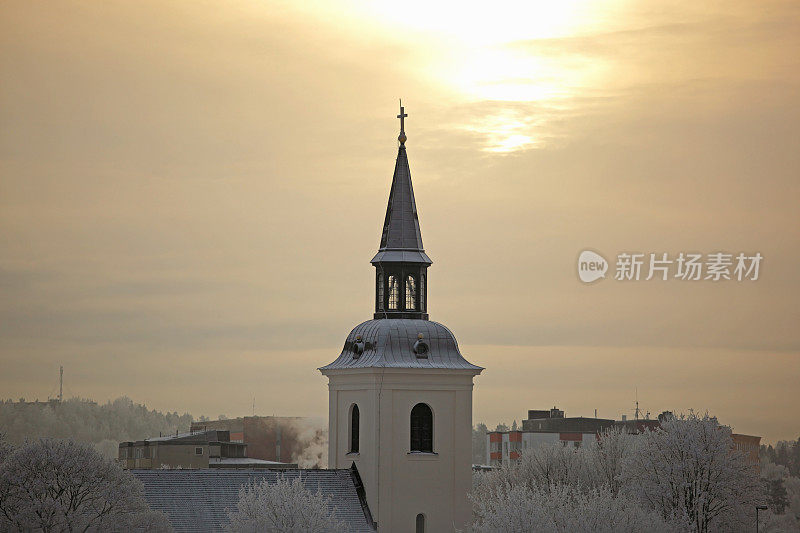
685,476
103,425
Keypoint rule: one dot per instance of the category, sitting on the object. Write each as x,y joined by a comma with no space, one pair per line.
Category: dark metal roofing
389,343
210,436
199,500
401,239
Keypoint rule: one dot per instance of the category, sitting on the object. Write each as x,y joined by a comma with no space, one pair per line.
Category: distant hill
83,420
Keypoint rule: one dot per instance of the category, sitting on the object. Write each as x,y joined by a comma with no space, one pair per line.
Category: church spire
401,262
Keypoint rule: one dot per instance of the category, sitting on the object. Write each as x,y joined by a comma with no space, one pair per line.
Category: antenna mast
61,384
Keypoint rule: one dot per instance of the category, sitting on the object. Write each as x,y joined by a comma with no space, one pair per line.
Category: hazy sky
191,192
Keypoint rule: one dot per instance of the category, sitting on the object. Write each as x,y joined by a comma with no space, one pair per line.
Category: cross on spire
402,116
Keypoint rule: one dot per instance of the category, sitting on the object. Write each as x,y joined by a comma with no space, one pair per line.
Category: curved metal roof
390,343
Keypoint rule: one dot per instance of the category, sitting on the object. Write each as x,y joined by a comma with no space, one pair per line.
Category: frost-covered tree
53,485
479,443
537,469
83,420
605,459
5,447
285,506
562,508
777,497
547,465
687,469
782,496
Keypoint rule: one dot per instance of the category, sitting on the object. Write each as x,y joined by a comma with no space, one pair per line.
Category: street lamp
759,508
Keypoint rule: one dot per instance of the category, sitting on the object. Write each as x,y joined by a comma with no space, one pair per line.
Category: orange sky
190,193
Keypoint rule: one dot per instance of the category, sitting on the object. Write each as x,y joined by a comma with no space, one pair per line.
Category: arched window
354,431
380,292
411,293
422,292
421,428
420,523
394,293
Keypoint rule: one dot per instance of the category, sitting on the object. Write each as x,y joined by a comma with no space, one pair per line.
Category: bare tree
688,470
283,507
53,486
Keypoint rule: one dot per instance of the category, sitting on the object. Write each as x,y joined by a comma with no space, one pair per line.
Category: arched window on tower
422,292
354,430
394,293
421,428
380,292
411,293
420,523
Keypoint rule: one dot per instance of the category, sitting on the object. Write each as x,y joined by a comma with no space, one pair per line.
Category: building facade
202,449
270,438
550,426
400,392
749,444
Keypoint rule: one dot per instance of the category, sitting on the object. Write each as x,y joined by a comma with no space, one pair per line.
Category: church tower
400,393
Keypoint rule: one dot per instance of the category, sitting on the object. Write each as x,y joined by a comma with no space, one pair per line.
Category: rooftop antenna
61,384
636,413
254,406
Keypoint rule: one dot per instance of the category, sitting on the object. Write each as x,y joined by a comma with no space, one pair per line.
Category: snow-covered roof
390,343
199,500
248,461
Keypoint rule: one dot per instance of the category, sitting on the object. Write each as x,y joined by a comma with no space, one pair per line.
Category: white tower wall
399,484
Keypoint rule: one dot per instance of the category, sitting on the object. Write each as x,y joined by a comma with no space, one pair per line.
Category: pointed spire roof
401,239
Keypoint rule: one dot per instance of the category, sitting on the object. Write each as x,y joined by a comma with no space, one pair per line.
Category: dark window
198,451
420,523
394,293
354,416
411,293
421,428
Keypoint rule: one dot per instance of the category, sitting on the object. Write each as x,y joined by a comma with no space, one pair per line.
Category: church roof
199,500
390,343
401,239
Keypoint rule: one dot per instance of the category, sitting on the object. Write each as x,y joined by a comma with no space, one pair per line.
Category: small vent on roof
421,347
358,347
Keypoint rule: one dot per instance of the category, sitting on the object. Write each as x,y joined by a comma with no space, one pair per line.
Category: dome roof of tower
401,343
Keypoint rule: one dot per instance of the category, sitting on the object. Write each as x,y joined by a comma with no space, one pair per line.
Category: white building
400,405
